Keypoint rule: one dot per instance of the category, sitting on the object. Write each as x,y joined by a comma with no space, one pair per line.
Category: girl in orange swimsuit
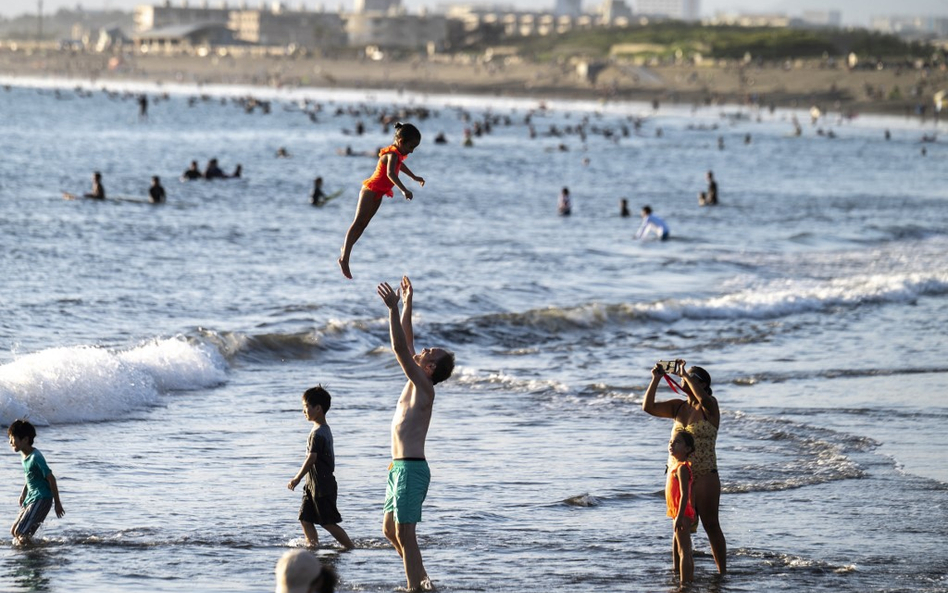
679,501
391,163
698,415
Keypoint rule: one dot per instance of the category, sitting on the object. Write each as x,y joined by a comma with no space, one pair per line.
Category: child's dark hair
22,428
407,132
688,438
317,396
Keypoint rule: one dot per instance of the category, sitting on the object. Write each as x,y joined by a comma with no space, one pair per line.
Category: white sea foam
789,297
85,383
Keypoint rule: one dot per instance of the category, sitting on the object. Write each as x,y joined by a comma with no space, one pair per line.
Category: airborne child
391,162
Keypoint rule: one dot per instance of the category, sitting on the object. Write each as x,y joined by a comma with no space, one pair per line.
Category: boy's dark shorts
320,510
31,517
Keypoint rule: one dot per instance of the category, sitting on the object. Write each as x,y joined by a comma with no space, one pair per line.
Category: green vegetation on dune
667,39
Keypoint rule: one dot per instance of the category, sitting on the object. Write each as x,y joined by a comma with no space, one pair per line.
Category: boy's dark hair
688,438
443,368
22,428
407,132
647,209
317,396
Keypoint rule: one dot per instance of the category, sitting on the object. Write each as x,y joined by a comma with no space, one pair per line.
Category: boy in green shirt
40,491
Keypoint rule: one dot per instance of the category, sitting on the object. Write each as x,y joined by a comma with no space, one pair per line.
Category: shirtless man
408,474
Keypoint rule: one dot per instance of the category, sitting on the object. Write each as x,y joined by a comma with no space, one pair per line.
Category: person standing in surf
408,474
700,416
390,164
678,499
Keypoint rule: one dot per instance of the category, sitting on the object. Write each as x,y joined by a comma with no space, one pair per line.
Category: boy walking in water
39,492
319,492
408,474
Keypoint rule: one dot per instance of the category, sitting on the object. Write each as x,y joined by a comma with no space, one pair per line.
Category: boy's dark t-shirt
320,480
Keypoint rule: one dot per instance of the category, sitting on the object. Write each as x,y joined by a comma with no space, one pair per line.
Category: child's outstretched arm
60,511
420,180
307,464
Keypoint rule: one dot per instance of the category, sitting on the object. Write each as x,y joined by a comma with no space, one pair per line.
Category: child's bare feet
344,266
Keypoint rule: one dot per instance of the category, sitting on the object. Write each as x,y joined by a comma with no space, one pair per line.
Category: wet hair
687,437
155,179
704,376
21,429
317,396
647,209
443,368
407,132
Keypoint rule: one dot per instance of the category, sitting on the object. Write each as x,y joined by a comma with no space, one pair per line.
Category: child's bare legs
685,562
341,536
369,203
309,530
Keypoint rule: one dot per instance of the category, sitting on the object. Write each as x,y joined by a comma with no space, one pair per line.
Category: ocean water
162,350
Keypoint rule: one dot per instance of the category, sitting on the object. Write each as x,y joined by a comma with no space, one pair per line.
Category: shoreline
850,92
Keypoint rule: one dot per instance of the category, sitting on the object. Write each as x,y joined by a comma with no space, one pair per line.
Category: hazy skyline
854,12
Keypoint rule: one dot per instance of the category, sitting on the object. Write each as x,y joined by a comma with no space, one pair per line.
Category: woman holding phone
700,416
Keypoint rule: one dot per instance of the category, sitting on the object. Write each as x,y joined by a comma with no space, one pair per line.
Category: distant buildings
683,10
916,28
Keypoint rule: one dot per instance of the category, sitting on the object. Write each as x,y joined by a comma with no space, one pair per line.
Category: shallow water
163,349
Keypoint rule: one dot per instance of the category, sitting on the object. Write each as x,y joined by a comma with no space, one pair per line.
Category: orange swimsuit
379,181
673,492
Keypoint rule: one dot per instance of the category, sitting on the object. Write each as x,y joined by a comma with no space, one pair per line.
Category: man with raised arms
408,474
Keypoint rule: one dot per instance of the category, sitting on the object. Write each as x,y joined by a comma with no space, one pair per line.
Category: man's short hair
317,396
22,428
443,368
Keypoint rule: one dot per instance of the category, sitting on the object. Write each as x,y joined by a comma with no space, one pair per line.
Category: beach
161,350
801,84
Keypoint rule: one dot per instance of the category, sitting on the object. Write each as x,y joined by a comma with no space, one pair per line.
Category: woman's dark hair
704,376
407,132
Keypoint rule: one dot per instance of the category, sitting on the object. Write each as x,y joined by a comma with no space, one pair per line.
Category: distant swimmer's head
646,210
681,444
703,376
437,363
97,176
407,138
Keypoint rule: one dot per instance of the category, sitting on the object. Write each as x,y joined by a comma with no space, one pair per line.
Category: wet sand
896,91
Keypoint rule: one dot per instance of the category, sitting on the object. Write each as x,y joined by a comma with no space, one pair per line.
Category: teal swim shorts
408,481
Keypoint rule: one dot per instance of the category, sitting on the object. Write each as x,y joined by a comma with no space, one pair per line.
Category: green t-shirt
36,470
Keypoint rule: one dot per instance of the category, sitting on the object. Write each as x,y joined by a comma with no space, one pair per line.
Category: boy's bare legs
341,536
369,203
309,530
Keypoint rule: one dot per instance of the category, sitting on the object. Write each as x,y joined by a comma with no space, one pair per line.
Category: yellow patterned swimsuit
704,460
